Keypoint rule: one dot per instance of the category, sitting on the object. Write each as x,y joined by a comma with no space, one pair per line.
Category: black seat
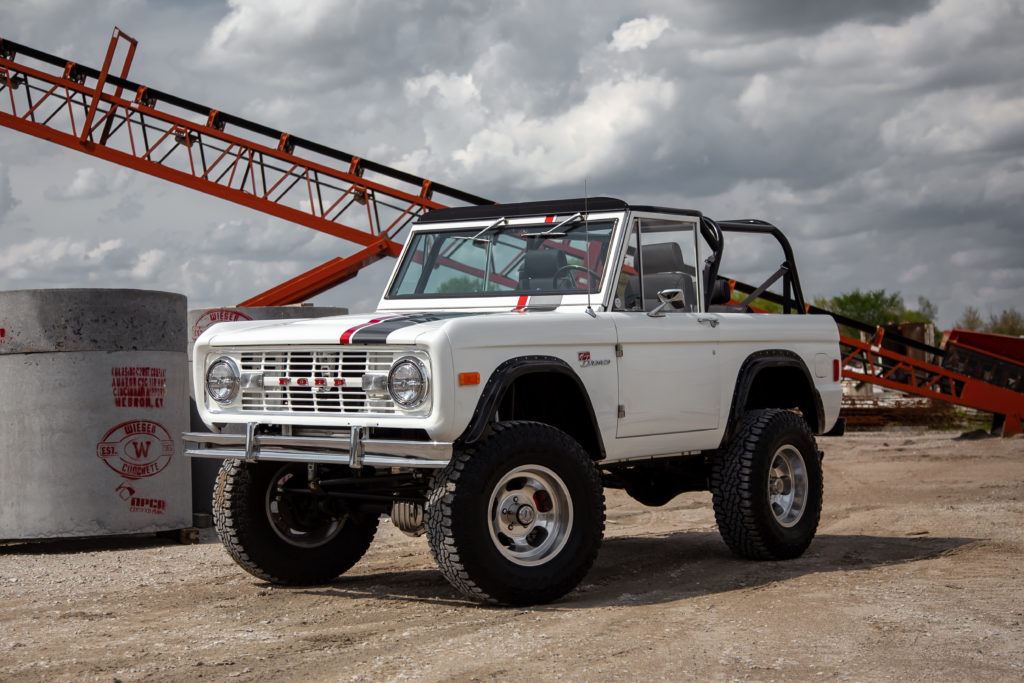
539,268
663,268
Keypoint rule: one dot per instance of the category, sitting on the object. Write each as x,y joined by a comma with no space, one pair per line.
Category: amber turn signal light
468,378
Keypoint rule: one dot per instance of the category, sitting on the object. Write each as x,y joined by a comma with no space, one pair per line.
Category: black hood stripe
377,331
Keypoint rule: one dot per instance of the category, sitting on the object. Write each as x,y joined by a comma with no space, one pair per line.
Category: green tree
460,284
762,304
926,312
873,307
876,307
970,320
1008,322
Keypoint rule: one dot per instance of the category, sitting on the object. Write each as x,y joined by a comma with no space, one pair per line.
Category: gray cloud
885,137
796,17
7,200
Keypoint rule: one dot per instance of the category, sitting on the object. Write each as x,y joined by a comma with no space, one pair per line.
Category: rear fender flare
745,379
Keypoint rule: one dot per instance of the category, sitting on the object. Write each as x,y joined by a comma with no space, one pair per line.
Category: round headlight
223,380
407,382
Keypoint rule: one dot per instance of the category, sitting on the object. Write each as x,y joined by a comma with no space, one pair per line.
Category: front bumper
352,449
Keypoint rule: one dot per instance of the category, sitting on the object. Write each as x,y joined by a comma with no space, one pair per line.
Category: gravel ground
915,575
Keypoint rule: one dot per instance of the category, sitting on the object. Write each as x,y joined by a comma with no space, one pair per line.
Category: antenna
586,251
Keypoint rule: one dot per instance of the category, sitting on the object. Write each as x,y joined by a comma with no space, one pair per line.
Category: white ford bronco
523,357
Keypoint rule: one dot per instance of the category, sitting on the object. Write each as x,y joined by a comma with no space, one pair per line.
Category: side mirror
668,296
721,292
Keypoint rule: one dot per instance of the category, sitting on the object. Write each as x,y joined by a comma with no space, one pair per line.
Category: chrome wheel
507,530
295,517
530,515
788,485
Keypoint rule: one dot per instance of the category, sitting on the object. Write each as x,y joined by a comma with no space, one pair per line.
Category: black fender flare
752,366
504,376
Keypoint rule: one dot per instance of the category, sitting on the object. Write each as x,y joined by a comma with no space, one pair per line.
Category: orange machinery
110,117
971,369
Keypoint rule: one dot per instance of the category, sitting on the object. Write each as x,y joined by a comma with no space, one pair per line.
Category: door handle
708,321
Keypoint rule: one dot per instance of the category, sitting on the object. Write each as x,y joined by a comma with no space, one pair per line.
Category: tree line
877,307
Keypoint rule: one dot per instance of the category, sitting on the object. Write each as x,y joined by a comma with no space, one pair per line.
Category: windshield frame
483,229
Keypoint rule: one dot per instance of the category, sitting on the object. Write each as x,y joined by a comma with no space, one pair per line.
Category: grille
313,364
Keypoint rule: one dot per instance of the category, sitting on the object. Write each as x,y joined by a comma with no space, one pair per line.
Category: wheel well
783,387
556,399
775,379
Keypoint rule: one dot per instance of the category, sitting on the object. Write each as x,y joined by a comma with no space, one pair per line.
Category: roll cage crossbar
792,298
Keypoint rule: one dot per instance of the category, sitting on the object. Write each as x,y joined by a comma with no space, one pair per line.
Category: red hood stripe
346,336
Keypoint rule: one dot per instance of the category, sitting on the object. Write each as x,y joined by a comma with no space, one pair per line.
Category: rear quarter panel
814,338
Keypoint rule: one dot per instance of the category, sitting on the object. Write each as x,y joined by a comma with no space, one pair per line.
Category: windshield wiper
553,232
477,238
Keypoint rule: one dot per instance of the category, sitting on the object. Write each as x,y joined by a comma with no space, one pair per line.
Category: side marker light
469,378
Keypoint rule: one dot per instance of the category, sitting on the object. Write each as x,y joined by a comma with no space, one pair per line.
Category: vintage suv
523,357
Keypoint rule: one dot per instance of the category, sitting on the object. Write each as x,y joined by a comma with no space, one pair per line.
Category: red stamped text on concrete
136,449
152,506
217,315
138,387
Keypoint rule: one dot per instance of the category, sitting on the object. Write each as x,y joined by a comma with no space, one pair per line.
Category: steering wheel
572,273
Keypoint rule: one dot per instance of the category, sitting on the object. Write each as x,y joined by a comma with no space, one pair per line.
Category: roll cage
716,289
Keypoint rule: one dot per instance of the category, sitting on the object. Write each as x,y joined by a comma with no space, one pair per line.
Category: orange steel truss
111,118
870,362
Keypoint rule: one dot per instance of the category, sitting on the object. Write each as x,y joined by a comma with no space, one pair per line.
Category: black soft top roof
554,207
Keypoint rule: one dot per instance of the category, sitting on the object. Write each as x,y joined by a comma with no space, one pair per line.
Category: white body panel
675,379
668,374
655,385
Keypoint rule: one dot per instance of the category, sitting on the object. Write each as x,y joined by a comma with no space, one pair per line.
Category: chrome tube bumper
354,450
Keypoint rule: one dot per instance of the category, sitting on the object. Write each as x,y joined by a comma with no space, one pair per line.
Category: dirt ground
915,575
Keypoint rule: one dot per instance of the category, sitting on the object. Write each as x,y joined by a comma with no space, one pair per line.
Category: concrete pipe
94,400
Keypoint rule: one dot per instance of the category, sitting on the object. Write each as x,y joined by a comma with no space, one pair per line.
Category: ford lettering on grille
314,381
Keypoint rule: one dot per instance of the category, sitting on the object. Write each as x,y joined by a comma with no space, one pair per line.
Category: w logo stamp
136,449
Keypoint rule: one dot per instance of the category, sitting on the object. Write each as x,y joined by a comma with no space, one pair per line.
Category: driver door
668,369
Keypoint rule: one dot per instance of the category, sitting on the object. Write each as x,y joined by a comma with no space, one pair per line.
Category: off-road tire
741,479
464,505
241,516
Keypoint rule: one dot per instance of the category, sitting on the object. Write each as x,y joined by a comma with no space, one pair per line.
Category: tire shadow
418,585
93,544
655,570
638,570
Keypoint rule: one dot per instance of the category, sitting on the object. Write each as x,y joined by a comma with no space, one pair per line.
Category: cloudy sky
886,137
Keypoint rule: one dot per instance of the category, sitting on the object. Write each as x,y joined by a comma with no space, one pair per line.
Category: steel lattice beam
165,136
870,362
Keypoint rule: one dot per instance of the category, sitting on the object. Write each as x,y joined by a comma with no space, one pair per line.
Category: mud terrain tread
228,509
234,521
745,522
449,482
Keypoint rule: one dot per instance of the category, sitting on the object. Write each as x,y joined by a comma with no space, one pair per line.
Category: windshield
505,260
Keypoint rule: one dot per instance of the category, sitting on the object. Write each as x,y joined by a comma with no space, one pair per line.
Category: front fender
505,375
